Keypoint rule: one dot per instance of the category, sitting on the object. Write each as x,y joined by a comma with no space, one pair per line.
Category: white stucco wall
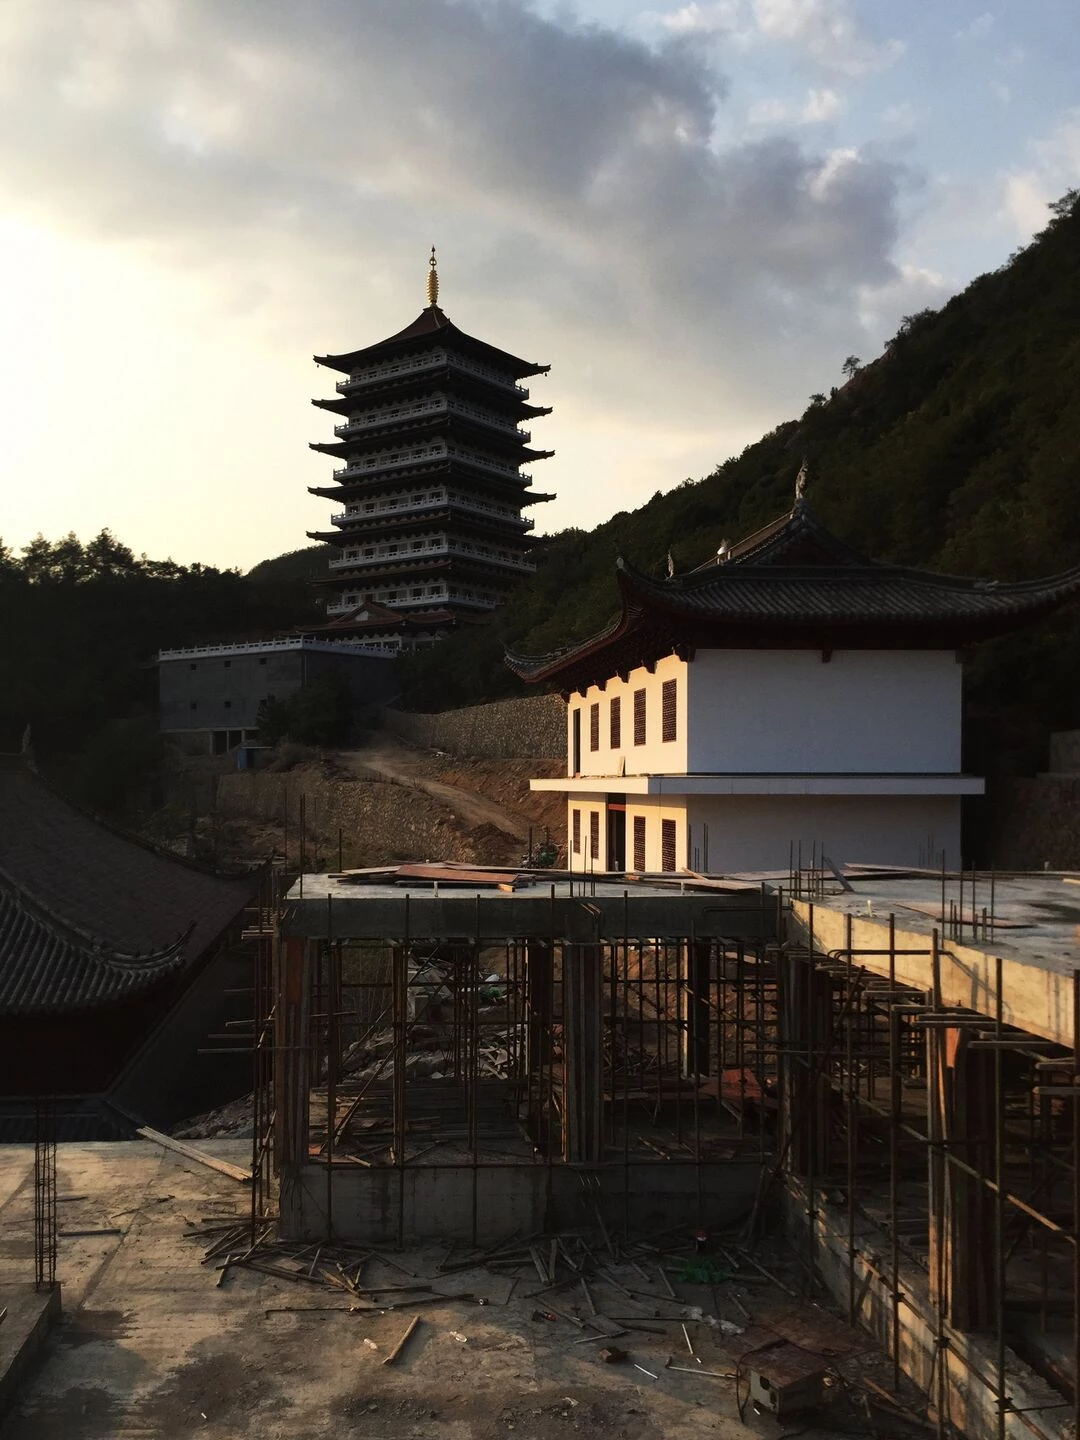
789,711
755,832
728,833
656,756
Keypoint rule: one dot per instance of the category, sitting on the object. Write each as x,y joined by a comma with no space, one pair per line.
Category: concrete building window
639,842
594,726
576,828
262,660
194,704
228,664
615,726
669,695
594,835
639,717
228,704
193,666
667,844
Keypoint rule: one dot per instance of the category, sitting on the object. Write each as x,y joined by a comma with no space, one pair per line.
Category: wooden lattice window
669,699
639,717
667,844
639,842
616,722
594,726
576,828
594,835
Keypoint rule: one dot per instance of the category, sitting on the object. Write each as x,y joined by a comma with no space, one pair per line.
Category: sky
693,212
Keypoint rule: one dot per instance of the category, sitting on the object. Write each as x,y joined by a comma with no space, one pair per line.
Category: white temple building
787,701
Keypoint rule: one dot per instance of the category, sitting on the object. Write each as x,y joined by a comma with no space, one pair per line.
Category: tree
319,713
851,366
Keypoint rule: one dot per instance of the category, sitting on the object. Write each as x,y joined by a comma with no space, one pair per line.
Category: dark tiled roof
432,325
794,584
89,916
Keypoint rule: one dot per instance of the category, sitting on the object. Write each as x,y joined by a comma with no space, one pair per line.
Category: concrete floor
149,1346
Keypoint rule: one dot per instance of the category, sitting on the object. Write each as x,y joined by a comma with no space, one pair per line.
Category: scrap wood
396,1351
234,1172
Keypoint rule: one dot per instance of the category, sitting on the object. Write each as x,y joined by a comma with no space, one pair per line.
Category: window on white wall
639,842
615,722
667,844
669,701
639,717
594,835
594,726
575,826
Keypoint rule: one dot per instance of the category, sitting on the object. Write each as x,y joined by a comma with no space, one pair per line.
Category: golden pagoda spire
432,281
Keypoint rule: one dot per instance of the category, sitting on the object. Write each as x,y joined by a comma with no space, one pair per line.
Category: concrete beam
1038,997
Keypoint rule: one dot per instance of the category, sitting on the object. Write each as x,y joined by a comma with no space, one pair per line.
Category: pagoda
429,532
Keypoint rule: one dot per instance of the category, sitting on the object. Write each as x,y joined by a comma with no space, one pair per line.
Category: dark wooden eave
432,327
795,586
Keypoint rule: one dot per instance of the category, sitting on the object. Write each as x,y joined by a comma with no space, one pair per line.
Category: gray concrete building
209,695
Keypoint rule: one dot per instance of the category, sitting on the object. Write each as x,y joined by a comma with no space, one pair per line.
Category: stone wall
530,728
1065,752
1032,823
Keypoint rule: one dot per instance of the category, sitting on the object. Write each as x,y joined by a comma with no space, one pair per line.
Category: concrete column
583,1062
292,1069
961,1116
805,1030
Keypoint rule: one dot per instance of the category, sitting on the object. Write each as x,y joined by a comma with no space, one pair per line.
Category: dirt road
394,761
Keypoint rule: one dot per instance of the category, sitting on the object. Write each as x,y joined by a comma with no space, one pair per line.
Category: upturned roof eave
431,325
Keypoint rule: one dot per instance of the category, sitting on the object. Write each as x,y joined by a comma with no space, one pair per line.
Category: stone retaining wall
529,728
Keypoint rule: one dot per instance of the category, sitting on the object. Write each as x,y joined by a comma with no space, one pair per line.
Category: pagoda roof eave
432,326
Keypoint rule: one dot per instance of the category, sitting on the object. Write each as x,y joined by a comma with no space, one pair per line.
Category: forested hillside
957,450
82,625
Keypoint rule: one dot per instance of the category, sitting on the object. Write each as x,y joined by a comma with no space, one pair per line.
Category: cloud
821,105
299,160
823,32
981,25
1054,168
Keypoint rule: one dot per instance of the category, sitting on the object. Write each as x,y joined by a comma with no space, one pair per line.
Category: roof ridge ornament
432,281
800,484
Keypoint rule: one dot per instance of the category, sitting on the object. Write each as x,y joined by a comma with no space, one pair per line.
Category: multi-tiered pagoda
429,533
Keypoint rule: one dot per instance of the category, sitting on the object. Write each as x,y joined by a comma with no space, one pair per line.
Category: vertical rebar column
44,1193
1076,1202
583,1100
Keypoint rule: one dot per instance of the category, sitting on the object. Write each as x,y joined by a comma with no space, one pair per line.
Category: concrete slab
320,906
28,1316
149,1345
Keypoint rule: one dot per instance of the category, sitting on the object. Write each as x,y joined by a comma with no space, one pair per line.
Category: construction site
814,1131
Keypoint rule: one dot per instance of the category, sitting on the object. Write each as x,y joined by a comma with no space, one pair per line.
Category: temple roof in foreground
432,327
794,585
90,917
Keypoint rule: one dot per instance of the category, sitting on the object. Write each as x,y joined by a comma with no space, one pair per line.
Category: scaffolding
932,1149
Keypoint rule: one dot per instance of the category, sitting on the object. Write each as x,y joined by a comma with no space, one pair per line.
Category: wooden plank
396,1351
234,1172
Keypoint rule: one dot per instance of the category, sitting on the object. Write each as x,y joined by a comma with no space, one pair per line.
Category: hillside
958,450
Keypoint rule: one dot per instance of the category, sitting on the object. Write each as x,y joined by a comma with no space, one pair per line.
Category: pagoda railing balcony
371,376
418,507
433,552
412,458
431,360
431,407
